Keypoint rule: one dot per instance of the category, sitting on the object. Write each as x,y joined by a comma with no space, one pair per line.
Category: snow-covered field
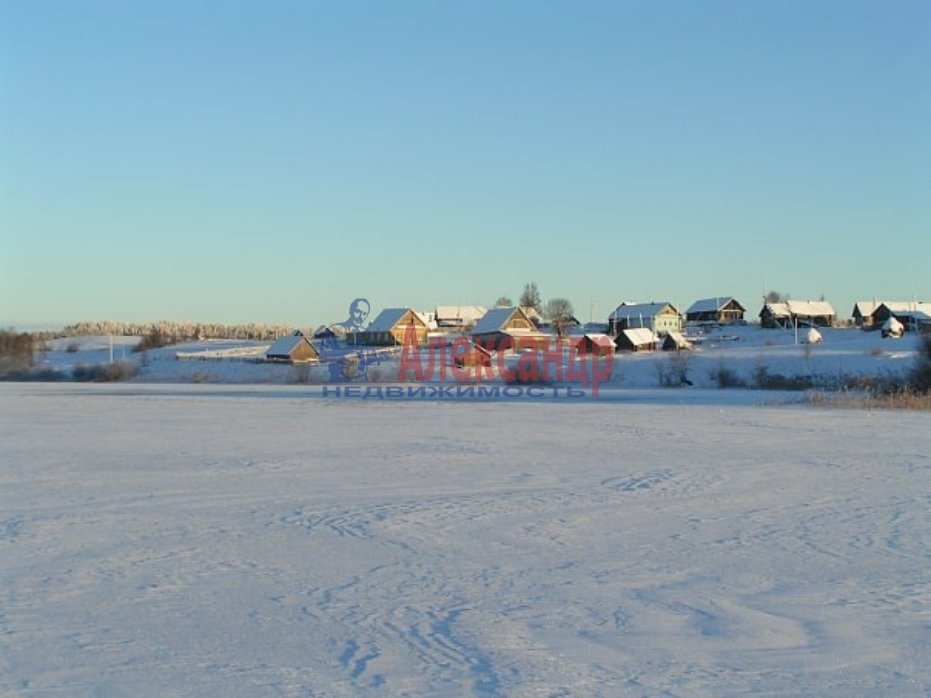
262,541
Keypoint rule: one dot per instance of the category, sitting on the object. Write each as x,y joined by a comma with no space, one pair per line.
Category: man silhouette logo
358,312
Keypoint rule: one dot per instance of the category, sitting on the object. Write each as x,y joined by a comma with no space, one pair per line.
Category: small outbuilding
675,341
594,343
292,348
636,339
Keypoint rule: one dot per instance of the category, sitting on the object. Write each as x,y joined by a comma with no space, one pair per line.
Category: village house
915,316
508,327
660,318
456,318
723,310
788,314
391,328
292,348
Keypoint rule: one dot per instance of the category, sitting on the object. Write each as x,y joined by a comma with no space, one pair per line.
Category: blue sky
243,161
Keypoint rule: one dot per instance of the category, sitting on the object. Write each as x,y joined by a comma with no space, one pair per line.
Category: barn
787,314
292,348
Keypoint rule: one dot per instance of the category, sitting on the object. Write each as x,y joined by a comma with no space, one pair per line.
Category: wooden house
292,348
660,318
508,327
723,310
786,315
453,318
914,315
391,328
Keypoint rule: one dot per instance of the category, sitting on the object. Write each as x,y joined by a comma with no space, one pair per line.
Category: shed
594,343
636,339
292,348
675,341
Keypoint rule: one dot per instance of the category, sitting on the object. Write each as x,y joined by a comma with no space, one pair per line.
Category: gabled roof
910,307
639,335
460,314
598,339
283,346
495,319
636,310
865,308
389,317
677,339
800,308
711,305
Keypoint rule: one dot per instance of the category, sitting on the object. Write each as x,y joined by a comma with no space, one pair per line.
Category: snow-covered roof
283,346
598,339
710,305
629,310
494,320
459,314
639,335
865,308
800,308
678,339
910,307
388,318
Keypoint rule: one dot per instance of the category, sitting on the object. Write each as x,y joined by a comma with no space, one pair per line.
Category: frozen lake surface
262,541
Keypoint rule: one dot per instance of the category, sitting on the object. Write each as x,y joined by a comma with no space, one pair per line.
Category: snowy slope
260,541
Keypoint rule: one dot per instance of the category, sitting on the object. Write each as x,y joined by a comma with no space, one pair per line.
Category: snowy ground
236,540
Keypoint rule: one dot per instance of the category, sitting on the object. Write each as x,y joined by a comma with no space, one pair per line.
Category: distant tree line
170,332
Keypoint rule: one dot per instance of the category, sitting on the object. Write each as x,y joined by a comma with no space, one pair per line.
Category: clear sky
270,161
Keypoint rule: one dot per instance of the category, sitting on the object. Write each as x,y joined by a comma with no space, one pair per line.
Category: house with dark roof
723,310
660,318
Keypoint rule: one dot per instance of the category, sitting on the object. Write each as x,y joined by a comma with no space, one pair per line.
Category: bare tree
558,313
530,297
503,302
775,297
